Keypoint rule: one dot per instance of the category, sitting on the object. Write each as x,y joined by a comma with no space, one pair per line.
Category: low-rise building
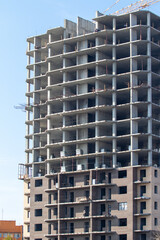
9,228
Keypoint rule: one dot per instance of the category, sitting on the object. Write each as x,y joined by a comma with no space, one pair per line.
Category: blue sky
20,19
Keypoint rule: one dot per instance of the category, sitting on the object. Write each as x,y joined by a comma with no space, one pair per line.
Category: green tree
8,238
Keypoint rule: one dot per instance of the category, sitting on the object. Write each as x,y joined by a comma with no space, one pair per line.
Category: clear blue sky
20,19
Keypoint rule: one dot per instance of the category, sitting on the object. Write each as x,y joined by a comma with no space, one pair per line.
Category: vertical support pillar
58,206
91,206
149,80
97,104
133,94
114,97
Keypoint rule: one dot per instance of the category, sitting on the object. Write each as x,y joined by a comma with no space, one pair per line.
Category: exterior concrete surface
93,129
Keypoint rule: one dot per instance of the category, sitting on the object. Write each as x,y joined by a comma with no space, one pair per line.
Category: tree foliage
8,238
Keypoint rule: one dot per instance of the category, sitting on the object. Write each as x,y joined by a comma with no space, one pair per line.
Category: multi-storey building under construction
93,130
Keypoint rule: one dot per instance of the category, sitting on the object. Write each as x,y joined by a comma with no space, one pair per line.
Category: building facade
9,228
92,130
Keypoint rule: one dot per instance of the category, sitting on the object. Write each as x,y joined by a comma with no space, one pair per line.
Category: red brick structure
10,228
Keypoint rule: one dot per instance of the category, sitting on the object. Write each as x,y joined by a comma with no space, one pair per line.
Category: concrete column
28,60
133,108
49,94
114,24
28,88
49,52
48,126
97,104
114,98
49,109
33,165
91,206
29,46
133,93
48,138
58,208
50,38
149,81
28,73
49,66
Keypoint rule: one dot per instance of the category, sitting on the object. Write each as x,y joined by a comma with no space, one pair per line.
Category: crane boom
135,7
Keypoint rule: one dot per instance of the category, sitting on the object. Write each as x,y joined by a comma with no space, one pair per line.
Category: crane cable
111,6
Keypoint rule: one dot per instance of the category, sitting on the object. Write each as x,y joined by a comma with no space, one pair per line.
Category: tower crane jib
135,7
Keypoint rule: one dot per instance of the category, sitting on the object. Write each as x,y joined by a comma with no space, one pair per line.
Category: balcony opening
103,225
103,193
142,174
91,117
38,183
65,211
123,222
109,225
71,181
102,177
103,237
91,87
103,208
91,102
49,228
91,58
55,226
55,211
123,190
123,237
109,178
71,197
122,174
71,212
142,206
109,210
142,190
86,180
91,73
143,237
38,212
91,133
91,149
91,43
87,194
71,227
55,196
38,227
109,193
86,227
86,211
38,198
143,223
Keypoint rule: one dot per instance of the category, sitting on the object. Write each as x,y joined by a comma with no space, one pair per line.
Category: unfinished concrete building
92,130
